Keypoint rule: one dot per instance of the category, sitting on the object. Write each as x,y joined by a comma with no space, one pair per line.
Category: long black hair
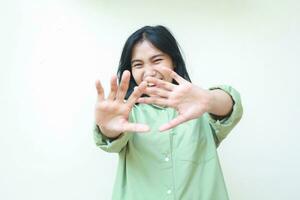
160,37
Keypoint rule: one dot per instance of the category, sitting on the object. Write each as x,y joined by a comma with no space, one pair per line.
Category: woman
164,128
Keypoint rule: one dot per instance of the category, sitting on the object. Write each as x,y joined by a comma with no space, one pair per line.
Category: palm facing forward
112,114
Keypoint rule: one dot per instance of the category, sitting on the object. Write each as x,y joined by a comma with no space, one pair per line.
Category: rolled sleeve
108,144
221,128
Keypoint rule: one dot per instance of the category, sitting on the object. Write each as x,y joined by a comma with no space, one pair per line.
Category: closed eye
137,65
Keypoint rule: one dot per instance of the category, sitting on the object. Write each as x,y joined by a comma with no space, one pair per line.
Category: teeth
150,84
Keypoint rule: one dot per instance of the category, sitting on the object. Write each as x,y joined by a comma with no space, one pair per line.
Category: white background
52,51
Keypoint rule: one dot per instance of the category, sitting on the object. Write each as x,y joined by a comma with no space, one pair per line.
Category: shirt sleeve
222,127
108,144
115,145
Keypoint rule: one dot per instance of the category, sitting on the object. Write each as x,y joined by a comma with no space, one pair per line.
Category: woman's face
144,57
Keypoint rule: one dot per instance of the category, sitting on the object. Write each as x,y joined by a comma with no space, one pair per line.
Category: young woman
164,128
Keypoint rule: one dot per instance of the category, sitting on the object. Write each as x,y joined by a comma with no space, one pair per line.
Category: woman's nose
150,72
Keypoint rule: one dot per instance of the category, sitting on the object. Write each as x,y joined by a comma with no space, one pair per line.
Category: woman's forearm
221,103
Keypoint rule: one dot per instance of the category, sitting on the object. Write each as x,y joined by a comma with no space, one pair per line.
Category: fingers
113,88
100,90
137,93
174,122
160,83
154,91
123,87
172,74
132,127
177,78
154,100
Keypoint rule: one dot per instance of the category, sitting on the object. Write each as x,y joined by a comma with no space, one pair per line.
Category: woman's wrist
108,133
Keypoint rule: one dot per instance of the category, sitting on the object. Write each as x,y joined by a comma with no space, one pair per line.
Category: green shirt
179,164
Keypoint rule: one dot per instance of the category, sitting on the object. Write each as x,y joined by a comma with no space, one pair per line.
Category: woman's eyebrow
135,60
155,56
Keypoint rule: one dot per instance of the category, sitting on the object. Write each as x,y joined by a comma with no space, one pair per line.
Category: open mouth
150,85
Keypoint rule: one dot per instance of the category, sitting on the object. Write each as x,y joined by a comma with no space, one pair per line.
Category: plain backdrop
52,51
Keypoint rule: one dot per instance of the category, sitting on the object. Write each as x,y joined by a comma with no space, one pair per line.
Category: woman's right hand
112,113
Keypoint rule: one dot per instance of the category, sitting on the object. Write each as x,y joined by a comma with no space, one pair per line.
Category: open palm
112,113
188,99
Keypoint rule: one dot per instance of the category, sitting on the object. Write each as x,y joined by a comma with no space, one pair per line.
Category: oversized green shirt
179,164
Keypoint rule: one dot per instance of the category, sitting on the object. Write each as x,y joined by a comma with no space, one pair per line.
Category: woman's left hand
189,100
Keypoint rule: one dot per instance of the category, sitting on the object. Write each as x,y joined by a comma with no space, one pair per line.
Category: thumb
134,127
175,122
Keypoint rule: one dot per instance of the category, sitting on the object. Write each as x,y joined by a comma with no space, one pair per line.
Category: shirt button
167,159
169,191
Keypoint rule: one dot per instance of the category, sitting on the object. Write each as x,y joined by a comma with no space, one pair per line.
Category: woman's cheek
137,75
